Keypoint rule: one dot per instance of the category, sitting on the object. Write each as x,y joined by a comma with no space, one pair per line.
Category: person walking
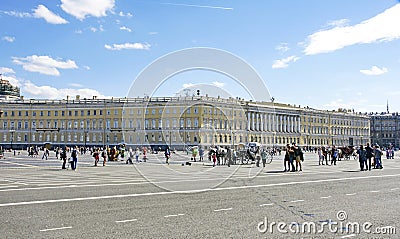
167,154
320,156
369,154
362,157
130,156
104,156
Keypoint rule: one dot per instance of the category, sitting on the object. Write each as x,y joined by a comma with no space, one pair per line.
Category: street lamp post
12,138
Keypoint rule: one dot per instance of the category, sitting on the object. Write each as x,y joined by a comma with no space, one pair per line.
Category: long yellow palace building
174,121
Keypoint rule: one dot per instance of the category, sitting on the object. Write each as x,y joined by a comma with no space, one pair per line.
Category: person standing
298,154
369,154
378,157
74,156
320,156
63,156
167,154
286,160
334,155
137,154
201,154
96,156
362,157
104,156
292,157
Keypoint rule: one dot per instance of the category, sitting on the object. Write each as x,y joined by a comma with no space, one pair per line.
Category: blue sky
322,54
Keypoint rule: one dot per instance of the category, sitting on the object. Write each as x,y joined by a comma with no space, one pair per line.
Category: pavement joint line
174,215
266,204
128,220
326,197
222,209
300,200
55,229
374,191
394,189
350,194
20,164
9,186
192,191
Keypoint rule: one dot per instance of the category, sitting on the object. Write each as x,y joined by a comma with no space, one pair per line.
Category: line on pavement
222,209
374,191
266,204
174,215
326,197
128,220
193,191
350,194
54,229
297,200
394,189
20,164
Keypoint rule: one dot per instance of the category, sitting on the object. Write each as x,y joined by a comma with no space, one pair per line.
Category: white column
248,120
262,122
285,123
252,121
257,122
280,123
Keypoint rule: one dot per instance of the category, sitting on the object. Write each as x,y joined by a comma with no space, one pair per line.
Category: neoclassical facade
174,121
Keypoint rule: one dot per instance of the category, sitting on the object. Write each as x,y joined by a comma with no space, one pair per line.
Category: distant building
7,91
385,129
175,121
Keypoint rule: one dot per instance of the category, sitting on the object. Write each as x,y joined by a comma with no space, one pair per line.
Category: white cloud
153,33
75,85
283,63
124,28
136,46
6,70
375,71
43,12
78,31
44,64
338,23
49,92
8,38
17,14
83,8
218,84
86,67
128,15
188,85
382,27
283,47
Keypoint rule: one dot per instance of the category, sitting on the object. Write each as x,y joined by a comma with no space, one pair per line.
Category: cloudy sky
322,54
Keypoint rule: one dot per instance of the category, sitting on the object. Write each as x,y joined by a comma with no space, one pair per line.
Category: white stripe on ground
350,194
222,209
174,215
297,200
266,204
128,220
394,189
193,191
20,164
54,229
326,197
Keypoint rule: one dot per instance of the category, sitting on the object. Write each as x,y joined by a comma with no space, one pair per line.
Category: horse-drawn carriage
253,152
347,152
